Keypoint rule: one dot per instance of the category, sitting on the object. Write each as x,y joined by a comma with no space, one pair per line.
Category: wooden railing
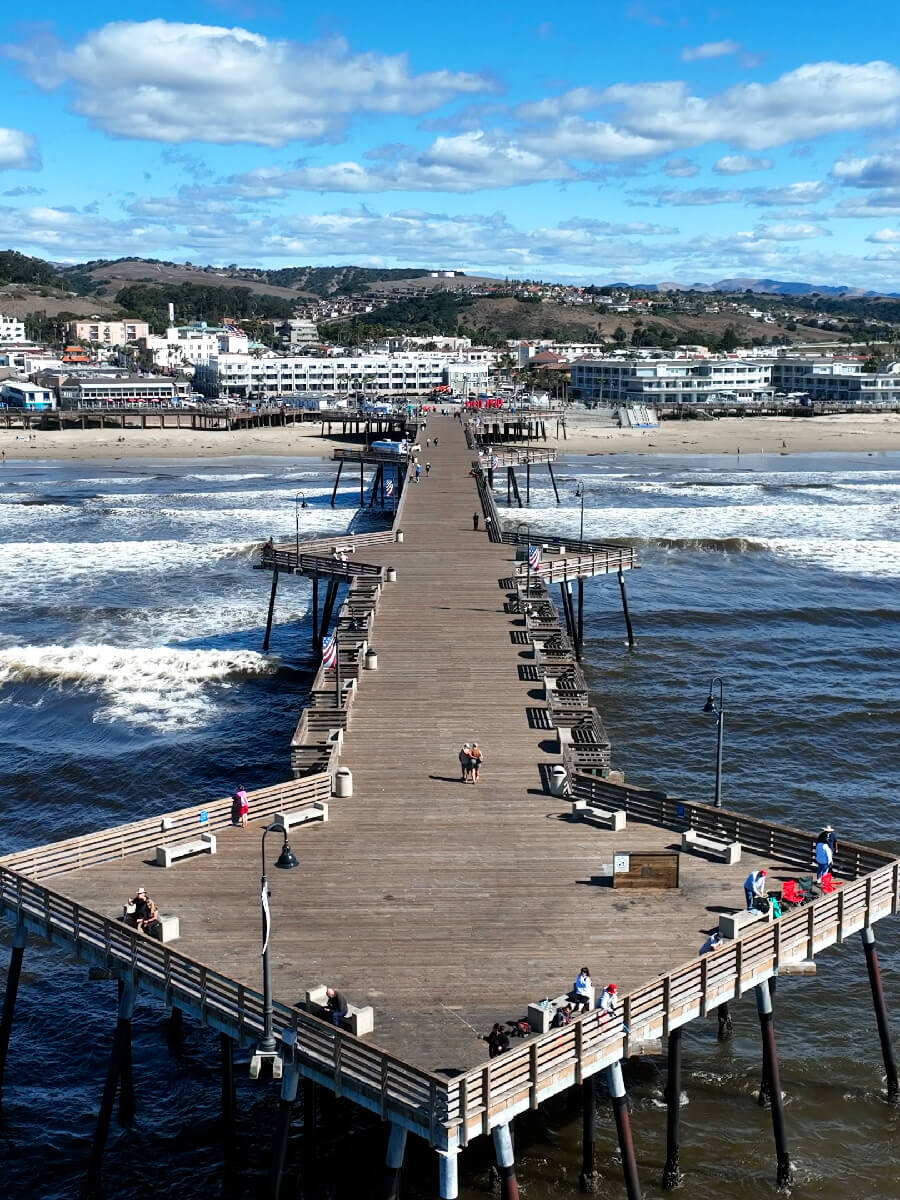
513,456
552,542
319,564
55,858
575,566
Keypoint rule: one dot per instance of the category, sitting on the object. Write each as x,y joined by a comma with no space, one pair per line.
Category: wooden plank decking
445,906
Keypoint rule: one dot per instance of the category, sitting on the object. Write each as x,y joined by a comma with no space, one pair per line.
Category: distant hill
769,287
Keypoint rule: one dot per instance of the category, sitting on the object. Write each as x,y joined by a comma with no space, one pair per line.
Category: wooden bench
729,852
614,819
359,1021
166,855
315,812
541,1013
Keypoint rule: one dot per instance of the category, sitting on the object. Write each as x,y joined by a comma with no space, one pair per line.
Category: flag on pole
534,557
329,653
389,488
266,917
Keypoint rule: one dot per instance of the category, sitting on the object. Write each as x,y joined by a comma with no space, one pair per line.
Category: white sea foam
163,688
878,557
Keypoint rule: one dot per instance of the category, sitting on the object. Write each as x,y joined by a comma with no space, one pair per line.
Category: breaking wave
163,688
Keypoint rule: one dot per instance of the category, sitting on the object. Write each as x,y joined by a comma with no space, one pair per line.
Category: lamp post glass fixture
299,502
719,709
579,495
268,1047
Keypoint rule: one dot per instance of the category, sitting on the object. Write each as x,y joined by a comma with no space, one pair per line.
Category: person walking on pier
240,810
418,472
427,469
475,521
476,758
824,855
465,761
754,887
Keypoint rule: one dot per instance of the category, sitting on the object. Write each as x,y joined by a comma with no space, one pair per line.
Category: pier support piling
528,483
671,1176
589,1178
881,1014
628,627
449,1174
271,611
126,1075
579,633
506,1162
9,999
310,1119
337,480
393,1164
726,1025
121,1035
290,1077
315,614
784,1169
616,1085
175,1029
553,481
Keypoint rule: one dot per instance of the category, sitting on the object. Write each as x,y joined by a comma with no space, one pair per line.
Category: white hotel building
12,330
383,374
611,381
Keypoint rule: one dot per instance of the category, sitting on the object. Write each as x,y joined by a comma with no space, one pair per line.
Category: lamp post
268,1047
299,504
579,495
719,709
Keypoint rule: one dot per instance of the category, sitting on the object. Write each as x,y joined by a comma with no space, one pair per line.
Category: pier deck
445,906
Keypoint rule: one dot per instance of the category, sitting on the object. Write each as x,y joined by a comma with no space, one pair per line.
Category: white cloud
739,164
875,171
882,203
709,50
168,81
18,151
788,232
610,228
466,163
802,193
885,236
680,168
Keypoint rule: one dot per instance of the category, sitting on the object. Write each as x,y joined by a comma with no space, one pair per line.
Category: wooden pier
445,906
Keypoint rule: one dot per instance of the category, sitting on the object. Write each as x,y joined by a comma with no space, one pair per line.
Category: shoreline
842,434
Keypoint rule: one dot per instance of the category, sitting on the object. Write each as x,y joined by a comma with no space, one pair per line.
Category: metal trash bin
558,780
391,575
371,660
399,535
343,782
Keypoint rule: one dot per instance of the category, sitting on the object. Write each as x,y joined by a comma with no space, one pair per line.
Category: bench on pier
541,1013
170,926
314,812
729,852
731,925
167,854
359,1021
614,818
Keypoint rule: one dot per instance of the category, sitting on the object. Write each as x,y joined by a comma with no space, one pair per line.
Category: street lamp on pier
268,1047
579,495
719,709
299,503
527,527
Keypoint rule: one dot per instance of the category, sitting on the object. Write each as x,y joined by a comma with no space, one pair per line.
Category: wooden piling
589,1178
628,627
226,1048
13,976
784,1169
289,1079
265,644
120,1036
393,1166
671,1176
506,1162
881,1014
623,1130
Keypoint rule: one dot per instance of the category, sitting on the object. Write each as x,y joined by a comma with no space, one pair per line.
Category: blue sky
589,142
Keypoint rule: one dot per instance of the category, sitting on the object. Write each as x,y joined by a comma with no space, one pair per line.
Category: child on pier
240,810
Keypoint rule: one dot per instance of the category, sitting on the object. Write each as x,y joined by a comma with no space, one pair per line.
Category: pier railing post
671,1176
619,1098
770,1073
881,1015
9,999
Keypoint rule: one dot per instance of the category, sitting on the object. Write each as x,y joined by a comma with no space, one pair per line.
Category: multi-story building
671,381
76,391
15,394
837,381
383,374
11,330
195,343
107,333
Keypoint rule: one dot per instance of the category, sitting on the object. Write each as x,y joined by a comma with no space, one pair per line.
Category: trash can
391,575
558,780
371,662
343,782
399,535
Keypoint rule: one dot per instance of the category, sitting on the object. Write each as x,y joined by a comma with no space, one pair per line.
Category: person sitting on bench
580,994
337,1005
145,915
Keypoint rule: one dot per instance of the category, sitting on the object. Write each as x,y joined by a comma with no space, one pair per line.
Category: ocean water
131,665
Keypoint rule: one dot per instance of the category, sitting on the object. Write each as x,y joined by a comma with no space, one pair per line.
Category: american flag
389,488
534,557
329,653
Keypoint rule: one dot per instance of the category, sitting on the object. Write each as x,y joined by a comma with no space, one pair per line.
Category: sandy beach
847,433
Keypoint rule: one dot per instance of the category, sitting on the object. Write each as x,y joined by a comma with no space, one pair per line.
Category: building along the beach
77,391
15,394
194,343
107,333
843,382
11,330
670,381
384,374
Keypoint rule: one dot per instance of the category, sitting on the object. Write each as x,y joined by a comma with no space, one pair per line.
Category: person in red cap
607,1001
754,885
